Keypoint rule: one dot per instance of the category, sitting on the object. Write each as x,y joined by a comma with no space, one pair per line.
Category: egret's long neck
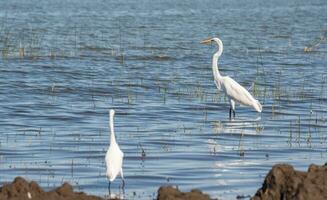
112,135
215,58
215,70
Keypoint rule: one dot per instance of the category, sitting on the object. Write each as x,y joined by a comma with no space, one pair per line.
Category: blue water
143,58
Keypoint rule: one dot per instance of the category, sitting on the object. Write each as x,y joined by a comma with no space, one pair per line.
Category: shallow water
143,58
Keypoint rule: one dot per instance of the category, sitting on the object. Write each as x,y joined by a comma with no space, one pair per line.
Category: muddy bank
285,183
20,189
170,193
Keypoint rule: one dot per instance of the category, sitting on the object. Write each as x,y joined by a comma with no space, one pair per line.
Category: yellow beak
207,41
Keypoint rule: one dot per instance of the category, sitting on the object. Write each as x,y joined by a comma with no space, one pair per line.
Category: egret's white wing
237,92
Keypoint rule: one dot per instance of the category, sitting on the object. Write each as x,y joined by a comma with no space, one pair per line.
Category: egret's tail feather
257,106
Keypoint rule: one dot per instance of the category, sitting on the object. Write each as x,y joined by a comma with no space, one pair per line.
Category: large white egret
233,90
114,156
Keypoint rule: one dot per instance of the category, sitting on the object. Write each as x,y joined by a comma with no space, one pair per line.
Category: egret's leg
122,178
232,107
230,113
109,189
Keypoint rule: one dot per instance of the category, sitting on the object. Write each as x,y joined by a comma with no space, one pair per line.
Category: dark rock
285,183
20,189
170,193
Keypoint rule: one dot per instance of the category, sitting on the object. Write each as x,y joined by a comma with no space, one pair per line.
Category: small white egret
114,156
234,91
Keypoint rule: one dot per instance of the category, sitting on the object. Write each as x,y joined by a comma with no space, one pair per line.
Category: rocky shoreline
282,182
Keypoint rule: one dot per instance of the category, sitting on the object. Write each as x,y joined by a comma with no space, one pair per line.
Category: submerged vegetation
314,44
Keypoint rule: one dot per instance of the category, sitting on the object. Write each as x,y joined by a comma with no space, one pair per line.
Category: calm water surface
143,58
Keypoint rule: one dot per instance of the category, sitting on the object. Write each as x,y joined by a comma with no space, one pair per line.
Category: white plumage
234,91
114,156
